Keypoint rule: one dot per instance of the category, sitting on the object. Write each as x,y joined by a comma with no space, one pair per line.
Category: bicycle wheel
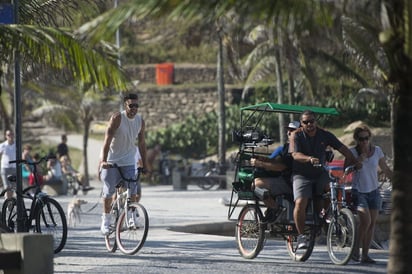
50,219
205,184
250,232
110,239
131,238
341,237
9,214
303,254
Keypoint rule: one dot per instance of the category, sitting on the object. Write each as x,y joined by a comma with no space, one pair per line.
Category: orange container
165,73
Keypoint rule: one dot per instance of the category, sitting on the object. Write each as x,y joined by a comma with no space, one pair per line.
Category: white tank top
122,148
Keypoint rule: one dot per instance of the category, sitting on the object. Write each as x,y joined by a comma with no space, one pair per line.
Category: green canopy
284,108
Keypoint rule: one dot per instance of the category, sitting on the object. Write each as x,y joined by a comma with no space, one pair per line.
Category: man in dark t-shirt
308,148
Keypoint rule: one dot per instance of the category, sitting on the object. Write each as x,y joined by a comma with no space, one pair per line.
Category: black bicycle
130,221
44,215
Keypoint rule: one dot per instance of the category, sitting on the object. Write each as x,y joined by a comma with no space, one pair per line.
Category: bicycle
46,213
124,233
208,169
337,220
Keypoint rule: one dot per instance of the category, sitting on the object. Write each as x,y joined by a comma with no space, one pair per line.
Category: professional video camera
251,137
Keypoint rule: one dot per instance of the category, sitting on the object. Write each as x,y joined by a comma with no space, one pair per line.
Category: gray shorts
304,187
277,185
111,177
6,172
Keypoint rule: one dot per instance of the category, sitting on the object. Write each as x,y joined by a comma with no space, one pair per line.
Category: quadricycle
336,220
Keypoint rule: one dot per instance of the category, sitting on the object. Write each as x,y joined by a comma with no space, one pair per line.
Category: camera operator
274,173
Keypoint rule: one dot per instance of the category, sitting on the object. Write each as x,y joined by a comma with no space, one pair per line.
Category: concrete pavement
171,251
170,248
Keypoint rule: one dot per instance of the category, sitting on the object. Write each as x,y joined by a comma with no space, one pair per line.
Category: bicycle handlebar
24,161
348,170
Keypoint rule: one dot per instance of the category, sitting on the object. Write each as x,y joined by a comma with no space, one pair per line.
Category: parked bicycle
337,221
43,215
127,232
208,169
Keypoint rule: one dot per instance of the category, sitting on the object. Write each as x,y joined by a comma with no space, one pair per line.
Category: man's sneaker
302,242
105,227
133,218
271,215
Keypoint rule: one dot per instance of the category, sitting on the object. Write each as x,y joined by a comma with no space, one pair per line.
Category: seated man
274,174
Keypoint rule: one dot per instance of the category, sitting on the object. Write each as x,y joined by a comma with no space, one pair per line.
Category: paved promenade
170,251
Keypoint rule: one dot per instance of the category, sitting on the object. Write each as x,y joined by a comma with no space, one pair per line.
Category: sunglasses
308,121
361,139
133,105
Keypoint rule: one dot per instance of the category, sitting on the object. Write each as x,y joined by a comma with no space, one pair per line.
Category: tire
50,219
250,232
9,215
110,239
131,239
341,237
205,184
301,255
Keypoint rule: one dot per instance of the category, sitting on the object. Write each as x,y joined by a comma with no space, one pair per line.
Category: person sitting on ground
54,171
69,170
276,176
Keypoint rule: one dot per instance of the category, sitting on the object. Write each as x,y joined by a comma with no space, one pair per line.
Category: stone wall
162,106
183,73
194,92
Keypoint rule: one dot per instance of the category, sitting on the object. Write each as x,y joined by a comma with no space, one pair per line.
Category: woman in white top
365,192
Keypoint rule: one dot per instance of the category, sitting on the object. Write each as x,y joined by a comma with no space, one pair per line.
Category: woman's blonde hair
359,129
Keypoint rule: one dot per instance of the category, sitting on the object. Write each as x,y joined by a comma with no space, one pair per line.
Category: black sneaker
271,214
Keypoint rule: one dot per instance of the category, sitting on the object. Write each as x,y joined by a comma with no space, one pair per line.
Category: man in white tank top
119,148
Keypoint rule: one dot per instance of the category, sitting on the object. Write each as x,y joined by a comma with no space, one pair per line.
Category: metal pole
119,62
17,123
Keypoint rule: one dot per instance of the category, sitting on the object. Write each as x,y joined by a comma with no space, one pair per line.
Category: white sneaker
302,242
105,227
133,218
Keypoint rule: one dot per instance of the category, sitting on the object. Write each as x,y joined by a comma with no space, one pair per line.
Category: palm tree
39,41
396,39
46,44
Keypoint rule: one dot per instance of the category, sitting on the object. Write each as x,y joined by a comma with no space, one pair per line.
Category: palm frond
48,47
